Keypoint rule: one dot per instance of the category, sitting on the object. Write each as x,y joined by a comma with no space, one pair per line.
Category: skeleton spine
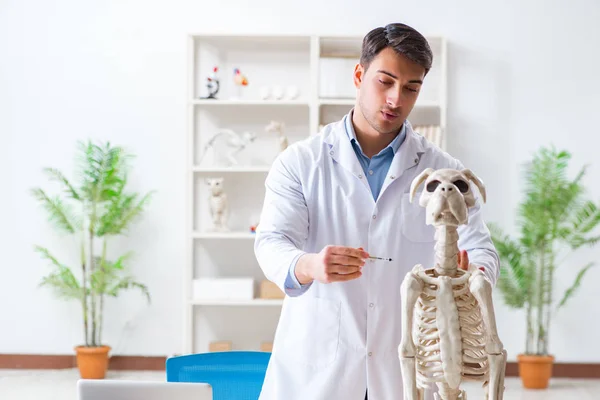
446,250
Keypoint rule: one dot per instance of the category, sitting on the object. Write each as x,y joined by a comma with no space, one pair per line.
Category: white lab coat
336,340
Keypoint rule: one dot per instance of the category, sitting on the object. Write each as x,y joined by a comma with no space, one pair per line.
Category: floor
60,385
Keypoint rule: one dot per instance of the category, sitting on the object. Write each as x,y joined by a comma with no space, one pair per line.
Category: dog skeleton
449,330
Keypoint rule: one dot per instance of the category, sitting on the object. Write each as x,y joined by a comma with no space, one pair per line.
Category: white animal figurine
449,330
237,142
219,207
277,127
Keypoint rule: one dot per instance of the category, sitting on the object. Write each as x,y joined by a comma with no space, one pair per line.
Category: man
333,200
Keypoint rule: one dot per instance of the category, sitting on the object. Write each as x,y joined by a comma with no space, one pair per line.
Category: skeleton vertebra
449,330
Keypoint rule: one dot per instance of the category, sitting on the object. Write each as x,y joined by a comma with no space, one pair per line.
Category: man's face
388,90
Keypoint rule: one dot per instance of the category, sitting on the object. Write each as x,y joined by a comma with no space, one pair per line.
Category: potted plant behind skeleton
554,220
96,210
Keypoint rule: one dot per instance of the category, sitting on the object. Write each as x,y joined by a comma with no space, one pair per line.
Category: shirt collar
394,144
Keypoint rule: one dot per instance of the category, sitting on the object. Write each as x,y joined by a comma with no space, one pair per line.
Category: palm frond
127,283
62,280
570,291
123,213
582,220
102,169
515,279
107,273
60,213
58,176
119,264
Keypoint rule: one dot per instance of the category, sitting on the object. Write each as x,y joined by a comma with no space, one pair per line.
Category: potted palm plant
96,210
554,220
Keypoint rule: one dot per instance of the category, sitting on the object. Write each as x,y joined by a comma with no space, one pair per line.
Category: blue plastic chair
233,375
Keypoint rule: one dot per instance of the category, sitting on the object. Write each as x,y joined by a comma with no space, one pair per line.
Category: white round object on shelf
277,92
292,92
264,92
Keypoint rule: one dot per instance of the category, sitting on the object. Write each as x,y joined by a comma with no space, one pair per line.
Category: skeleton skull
447,195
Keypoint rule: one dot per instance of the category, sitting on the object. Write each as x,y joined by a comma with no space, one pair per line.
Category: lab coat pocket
412,221
311,333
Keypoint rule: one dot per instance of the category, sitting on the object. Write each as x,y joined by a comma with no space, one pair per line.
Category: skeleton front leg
232,156
481,288
410,291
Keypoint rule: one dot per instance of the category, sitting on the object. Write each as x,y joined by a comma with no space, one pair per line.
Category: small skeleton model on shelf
212,84
219,207
277,127
235,141
449,330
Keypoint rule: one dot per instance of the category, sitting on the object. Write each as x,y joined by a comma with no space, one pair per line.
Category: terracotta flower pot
92,361
535,371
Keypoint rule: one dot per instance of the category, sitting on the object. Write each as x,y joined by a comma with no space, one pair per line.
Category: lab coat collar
407,157
393,146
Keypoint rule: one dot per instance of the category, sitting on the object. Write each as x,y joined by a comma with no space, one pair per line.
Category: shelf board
426,104
337,102
351,102
235,41
236,169
217,102
253,302
224,235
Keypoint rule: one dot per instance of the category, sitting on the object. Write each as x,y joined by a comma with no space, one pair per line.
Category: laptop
107,389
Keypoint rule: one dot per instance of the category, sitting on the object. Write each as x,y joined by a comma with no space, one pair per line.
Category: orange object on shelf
269,290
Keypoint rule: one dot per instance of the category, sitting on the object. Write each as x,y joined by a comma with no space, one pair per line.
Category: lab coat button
370,354
374,216
371,305
360,176
331,152
392,177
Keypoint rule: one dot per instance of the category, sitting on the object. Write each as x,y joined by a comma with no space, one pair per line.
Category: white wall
521,75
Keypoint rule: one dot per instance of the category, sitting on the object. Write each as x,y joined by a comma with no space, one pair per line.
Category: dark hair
400,37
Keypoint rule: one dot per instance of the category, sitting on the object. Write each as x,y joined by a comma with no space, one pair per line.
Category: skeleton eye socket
461,185
431,186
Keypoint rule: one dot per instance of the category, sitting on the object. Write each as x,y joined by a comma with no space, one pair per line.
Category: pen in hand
380,258
376,258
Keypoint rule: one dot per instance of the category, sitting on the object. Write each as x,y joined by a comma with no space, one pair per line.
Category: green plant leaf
103,169
108,273
58,176
514,281
126,283
60,213
584,218
62,280
121,211
570,291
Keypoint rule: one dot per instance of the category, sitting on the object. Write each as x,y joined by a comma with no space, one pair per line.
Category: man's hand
463,261
332,264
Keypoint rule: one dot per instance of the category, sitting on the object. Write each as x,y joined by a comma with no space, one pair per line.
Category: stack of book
433,133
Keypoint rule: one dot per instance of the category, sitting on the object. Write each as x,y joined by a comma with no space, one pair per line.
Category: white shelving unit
320,67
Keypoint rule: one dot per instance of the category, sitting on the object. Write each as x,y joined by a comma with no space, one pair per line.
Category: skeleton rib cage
474,363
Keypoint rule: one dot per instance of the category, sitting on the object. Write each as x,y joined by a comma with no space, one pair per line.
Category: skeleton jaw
443,218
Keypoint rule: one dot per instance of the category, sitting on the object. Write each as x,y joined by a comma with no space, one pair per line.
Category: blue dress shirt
375,168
